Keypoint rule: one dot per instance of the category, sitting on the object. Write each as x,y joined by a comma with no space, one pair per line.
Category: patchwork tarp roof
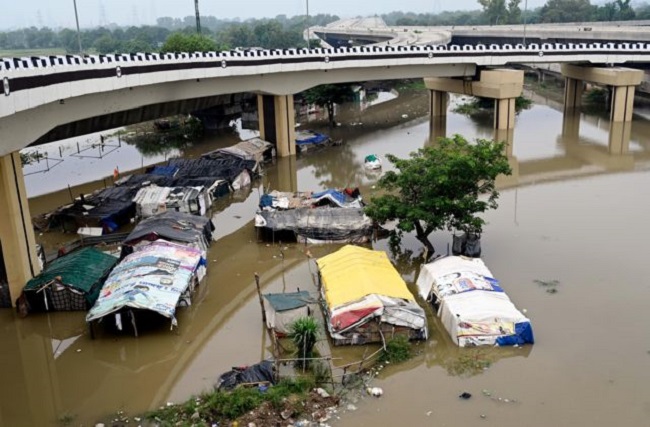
352,273
82,270
250,149
152,278
319,224
176,226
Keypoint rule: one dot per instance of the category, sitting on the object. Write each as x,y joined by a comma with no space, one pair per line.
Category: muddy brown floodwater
573,212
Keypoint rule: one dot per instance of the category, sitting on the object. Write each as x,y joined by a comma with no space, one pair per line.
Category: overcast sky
60,13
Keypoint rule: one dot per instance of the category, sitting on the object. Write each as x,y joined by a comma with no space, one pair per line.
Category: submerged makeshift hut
282,309
255,149
327,216
471,303
70,282
153,200
365,299
156,277
177,227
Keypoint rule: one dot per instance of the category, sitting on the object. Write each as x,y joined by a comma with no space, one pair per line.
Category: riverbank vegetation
440,187
478,106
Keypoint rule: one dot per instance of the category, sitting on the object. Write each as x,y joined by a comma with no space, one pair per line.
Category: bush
398,349
304,333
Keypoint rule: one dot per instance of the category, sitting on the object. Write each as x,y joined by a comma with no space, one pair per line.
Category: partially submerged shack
472,305
153,200
156,277
255,149
70,282
327,216
282,309
365,299
181,228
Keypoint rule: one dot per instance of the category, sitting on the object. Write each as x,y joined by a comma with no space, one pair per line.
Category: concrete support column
573,90
619,138
622,103
504,113
438,103
277,122
501,85
16,233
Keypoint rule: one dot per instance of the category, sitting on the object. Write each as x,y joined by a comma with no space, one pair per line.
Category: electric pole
198,17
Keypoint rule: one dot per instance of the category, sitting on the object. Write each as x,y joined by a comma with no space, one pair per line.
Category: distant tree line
175,34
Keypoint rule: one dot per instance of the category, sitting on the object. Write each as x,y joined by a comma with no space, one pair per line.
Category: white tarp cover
436,278
480,318
153,200
472,305
154,278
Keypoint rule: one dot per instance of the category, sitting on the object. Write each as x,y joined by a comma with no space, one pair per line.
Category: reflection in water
53,367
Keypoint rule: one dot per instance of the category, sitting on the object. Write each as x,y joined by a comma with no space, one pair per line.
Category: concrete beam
16,231
611,76
495,84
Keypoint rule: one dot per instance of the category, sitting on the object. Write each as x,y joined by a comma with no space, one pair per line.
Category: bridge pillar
277,122
573,89
17,242
438,103
502,85
622,80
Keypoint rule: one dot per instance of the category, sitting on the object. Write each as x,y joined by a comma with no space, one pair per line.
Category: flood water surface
573,211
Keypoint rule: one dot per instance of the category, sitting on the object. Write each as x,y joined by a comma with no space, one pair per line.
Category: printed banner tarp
152,278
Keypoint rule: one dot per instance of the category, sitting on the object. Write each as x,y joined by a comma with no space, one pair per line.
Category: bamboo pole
259,294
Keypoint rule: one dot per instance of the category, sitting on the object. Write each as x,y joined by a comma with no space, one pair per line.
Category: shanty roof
81,269
352,273
289,301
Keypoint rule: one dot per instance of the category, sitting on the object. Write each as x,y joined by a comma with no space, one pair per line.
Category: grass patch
470,363
398,349
221,406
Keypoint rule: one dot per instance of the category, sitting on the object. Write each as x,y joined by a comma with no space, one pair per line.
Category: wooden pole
259,294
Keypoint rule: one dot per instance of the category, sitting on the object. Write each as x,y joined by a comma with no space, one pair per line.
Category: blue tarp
340,197
309,137
523,335
164,170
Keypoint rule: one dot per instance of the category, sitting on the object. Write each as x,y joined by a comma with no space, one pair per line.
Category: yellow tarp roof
352,273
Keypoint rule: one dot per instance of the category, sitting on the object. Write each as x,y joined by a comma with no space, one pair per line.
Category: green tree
179,42
566,11
441,187
328,95
106,44
495,11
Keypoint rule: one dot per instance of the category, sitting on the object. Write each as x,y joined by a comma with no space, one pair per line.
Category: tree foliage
179,42
328,95
499,12
441,187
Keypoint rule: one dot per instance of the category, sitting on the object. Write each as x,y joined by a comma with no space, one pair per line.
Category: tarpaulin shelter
306,139
282,309
319,225
177,227
153,200
347,198
255,149
156,277
70,282
366,300
108,208
236,171
472,305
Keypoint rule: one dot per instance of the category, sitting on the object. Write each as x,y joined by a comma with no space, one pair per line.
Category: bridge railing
241,56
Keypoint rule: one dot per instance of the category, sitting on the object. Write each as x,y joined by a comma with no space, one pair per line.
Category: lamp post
76,17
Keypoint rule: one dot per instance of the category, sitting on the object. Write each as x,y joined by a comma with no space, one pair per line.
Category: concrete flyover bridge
55,97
